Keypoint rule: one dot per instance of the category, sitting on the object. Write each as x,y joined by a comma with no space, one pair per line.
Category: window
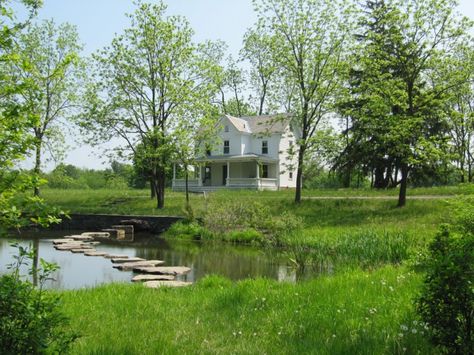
208,151
265,171
291,144
226,147
291,175
207,173
226,128
264,147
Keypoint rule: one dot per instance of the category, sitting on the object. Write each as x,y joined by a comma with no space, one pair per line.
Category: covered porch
231,172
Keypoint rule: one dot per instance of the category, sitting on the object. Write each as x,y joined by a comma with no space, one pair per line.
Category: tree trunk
299,174
152,189
34,266
37,168
186,187
160,191
402,196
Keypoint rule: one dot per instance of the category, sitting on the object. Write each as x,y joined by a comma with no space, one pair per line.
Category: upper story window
264,147
226,147
291,144
226,128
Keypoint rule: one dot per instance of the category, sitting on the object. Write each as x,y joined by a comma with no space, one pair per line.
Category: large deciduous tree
308,43
145,79
17,208
54,72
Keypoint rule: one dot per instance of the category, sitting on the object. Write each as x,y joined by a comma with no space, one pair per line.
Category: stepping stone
93,235
164,270
157,284
81,237
62,241
116,256
126,260
73,246
93,243
130,266
77,251
95,253
149,277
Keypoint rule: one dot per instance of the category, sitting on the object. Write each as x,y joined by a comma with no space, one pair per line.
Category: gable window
264,147
226,147
226,128
291,175
265,171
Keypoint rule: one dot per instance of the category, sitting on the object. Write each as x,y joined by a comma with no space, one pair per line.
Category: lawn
366,308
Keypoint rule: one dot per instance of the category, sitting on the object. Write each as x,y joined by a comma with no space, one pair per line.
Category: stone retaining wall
94,222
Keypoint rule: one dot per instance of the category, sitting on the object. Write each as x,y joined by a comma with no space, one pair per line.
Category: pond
78,270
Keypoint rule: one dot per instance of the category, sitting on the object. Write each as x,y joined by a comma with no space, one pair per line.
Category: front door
224,175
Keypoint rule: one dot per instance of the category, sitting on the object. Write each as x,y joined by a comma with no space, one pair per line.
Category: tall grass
351,313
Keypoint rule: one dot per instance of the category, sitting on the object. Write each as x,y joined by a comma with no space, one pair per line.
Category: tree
257,51
460,110
54,71
308,44
17,208
397,108
146,78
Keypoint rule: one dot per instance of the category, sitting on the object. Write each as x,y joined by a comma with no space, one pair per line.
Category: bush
245,236
447,299
30,319
184,230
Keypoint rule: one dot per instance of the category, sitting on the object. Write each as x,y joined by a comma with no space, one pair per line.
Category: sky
97,22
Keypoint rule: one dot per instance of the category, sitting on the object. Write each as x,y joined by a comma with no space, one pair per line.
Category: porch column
228,174
173,183
199,175
258,175
278,174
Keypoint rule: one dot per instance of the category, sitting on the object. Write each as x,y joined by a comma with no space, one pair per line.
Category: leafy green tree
54,72
397,111
256,49
17,208
308,45
146,79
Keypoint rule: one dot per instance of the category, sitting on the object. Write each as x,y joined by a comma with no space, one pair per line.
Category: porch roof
237,158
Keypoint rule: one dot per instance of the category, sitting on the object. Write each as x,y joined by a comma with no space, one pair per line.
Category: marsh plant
31,321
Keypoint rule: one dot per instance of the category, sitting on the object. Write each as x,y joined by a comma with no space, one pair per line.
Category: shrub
184,230
30,319
245,236
447,299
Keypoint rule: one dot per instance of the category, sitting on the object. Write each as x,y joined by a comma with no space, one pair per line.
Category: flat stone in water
62,241
63,247
81,237
149,277
77,251
166,270
130,266
157,284
116,256
119,260
95,253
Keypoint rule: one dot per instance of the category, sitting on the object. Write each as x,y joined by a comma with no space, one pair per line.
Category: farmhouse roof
264,124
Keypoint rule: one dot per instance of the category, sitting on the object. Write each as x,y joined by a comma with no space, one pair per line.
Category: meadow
365,308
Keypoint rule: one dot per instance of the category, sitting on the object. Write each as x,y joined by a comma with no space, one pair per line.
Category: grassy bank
351,313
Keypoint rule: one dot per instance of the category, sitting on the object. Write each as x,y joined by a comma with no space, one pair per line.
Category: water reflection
78,270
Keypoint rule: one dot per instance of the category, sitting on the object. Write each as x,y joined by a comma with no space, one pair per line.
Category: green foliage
31,321
246,236
347,313
447,298
185,230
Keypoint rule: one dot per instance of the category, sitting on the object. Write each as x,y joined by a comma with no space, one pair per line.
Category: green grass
351,313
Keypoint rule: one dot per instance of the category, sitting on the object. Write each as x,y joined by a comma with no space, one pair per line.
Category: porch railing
181,183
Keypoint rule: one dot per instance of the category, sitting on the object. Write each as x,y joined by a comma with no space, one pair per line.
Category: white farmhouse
256,152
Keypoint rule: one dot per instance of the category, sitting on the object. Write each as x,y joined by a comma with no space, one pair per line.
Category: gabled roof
265,124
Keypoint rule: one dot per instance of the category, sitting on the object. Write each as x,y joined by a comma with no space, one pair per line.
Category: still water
79,271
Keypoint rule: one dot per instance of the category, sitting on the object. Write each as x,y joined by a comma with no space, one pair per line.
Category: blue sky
98,20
